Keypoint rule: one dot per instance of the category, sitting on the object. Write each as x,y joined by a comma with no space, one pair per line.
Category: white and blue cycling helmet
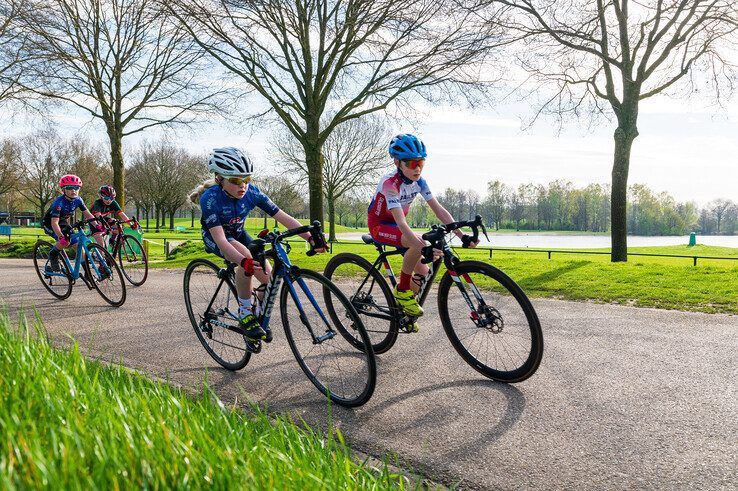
230,162
407,147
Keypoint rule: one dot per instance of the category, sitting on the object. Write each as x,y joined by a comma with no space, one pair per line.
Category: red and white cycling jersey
395,192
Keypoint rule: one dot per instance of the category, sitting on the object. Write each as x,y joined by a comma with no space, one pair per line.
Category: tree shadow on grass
535,282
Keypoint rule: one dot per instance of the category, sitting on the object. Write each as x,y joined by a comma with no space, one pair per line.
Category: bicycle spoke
333,363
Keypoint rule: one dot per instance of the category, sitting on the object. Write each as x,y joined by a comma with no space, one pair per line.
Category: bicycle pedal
253,346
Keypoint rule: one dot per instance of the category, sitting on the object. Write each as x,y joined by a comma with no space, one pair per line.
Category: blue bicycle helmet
407,147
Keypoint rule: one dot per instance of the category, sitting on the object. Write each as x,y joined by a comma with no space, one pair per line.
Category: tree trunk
116,160
171,220
314,162
331,217
192,218
625,134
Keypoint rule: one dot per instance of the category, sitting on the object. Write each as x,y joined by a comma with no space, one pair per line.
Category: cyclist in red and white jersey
389,207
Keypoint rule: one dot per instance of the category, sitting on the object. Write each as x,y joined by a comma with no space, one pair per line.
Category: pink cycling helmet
70,180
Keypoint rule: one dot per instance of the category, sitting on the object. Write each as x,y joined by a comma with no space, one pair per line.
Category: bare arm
289,222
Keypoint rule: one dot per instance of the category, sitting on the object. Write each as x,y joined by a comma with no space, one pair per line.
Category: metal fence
550,252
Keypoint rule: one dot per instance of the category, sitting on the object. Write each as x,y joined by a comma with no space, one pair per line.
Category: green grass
663,282
67,422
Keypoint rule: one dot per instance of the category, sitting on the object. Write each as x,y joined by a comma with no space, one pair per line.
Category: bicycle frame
283,269
82,252
448,259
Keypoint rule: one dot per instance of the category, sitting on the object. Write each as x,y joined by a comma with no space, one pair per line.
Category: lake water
575,241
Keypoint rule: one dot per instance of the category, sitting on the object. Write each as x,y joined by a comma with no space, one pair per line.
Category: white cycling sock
244,307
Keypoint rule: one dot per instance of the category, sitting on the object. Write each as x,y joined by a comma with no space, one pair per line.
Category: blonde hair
197,192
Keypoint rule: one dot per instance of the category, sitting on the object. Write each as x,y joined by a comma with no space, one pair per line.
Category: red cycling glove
247,264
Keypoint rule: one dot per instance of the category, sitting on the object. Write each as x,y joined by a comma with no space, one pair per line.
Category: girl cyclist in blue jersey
225,207
56,220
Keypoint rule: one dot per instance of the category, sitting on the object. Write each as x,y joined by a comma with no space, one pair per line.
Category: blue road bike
92,264
344,373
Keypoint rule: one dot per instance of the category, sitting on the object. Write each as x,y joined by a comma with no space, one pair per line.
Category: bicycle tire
198,319
65,282
382,333
111,273
130,251
503,289
360,365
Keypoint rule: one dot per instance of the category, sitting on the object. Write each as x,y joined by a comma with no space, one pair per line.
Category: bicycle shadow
424,422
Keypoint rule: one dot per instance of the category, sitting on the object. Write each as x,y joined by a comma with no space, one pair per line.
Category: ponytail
197,192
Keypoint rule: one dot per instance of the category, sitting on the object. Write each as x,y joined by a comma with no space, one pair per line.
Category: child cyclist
391,203
108,208
56,219
225,207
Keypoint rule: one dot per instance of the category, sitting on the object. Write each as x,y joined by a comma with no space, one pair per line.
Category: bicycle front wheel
212,305
338,369
133,261
369,294
105,275
490,322
59,282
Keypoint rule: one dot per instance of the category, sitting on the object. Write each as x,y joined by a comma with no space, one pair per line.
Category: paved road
624,398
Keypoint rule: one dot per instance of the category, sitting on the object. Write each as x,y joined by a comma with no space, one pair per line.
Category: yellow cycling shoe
407,302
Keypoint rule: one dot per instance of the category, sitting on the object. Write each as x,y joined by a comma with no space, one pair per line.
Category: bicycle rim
372,300
338,369
133,261
502,337
105,276
226,347
60,284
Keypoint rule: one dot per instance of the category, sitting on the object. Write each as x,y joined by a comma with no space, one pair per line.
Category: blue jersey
63,209
220,209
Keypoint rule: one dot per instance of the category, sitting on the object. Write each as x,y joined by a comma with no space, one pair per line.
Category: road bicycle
129,252
344,373
487,317
92,264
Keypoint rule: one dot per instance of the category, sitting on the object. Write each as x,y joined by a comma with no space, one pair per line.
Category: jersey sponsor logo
387,235
234,221
378,208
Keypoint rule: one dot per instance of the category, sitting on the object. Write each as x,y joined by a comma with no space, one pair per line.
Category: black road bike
344,372
129,252
487,317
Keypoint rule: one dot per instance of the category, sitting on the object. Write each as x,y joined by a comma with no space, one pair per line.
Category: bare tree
284,193
719,209
45,157
605,57
162,175
497,201
353,57
9,166
12,41
354,155
119,61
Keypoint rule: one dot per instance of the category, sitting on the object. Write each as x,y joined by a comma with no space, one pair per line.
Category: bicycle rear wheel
204,287
501,336
105,275
133,261
58,283
372,300
335,366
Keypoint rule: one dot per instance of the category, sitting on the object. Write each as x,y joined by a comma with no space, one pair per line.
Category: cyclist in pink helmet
56,220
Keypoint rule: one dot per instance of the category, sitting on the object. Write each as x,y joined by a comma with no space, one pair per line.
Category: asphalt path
624,398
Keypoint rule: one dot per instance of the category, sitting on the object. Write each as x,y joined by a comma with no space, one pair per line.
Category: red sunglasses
414,164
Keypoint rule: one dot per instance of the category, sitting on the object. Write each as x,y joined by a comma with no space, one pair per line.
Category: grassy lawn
71,423
663,282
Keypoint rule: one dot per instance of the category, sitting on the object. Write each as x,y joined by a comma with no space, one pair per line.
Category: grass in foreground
70,423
